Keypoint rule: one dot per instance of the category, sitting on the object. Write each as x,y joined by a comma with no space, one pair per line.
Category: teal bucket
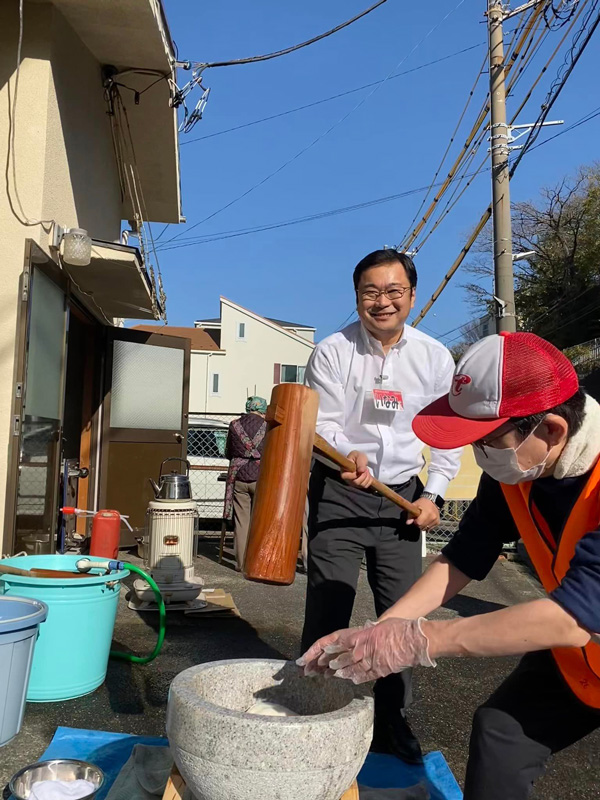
71,654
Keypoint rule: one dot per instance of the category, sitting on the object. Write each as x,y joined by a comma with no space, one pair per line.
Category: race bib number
387,400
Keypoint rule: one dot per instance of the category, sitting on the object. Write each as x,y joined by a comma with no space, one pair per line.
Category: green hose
162,621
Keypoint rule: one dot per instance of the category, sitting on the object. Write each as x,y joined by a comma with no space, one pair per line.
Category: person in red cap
536,436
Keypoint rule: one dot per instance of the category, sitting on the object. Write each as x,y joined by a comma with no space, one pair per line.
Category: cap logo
458,382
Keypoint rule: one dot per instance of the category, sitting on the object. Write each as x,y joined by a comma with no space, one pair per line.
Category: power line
451,142
332,97
526,26
293,48
298,220
559,82
324,134
551,98
222,235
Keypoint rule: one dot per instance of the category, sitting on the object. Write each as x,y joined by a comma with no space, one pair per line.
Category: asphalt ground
133,698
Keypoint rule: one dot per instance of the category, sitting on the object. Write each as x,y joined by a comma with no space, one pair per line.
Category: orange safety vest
580,666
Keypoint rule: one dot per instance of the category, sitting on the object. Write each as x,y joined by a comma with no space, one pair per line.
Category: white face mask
503,464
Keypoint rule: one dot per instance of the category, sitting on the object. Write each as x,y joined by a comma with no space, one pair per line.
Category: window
290,373
215,383
241,332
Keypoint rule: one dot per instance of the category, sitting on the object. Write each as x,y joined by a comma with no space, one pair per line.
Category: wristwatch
435,498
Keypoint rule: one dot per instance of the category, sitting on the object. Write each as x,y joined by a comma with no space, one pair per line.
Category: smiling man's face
384,316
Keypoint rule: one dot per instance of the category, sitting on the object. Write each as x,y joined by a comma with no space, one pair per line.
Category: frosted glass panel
147,386
45,352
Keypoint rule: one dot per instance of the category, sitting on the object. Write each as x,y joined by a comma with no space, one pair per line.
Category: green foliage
557,290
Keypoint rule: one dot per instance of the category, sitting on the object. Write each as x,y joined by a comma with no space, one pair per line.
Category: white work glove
366,654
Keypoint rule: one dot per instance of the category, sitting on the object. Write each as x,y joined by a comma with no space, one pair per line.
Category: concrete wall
65,168
246,367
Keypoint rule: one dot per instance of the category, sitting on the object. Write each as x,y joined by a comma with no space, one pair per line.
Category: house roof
285,324
200,339
280,322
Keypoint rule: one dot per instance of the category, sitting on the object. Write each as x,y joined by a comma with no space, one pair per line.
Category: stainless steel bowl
59,769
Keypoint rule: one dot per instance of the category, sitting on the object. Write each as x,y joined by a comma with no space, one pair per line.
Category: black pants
530,716
344,525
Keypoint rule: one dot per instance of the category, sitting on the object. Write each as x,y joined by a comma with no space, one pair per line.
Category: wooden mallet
279,502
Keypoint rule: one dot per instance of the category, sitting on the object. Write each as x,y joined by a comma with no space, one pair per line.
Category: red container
106,533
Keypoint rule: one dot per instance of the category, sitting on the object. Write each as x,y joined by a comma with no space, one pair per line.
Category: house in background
88,409
240,354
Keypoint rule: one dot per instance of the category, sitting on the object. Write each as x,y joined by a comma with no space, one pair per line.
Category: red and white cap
501,376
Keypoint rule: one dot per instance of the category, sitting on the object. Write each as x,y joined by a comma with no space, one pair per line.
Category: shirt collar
374,345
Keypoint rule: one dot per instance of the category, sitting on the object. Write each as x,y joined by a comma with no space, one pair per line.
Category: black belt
395,487
398,487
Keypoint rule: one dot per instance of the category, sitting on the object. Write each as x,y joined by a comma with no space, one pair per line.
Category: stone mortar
224,753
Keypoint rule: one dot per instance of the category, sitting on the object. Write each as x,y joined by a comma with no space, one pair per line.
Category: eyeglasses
481,444
395,293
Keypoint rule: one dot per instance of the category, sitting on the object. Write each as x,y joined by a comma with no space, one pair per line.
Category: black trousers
344,525
530,716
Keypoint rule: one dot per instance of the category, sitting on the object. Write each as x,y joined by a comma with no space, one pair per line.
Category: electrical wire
347,321
454,199
320,102
132,186
293,48
331,97
286,223
222,235
554,53
582,121
322,135
11,158
563,75
451,141
568,66
520,35
528,30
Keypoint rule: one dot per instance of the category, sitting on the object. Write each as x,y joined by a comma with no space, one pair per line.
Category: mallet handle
325,449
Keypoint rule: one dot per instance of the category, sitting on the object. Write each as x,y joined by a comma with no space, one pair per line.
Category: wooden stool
176,788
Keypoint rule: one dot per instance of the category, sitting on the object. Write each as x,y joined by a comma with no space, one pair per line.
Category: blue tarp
388,772
110,751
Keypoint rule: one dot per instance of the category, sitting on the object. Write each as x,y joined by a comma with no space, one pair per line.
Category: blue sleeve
579,591
484,528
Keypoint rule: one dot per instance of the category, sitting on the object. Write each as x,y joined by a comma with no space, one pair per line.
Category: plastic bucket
20,618
71,655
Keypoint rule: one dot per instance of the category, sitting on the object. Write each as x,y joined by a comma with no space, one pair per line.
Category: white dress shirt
345,368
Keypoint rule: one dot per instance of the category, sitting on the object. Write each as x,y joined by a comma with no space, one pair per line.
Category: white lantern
77,247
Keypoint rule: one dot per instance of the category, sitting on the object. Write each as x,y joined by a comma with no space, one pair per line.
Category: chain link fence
207,436
450,516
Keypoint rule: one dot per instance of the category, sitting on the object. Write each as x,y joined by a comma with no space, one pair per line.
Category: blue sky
391,143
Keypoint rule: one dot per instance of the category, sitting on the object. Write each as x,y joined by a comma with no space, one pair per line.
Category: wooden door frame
33,257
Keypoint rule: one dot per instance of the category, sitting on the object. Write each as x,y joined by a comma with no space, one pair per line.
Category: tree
557,289
469,334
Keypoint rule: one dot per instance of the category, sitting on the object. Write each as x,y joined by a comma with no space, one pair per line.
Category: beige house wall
464,486
64,166
245,367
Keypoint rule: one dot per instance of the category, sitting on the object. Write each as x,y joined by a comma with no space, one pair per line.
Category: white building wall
246,367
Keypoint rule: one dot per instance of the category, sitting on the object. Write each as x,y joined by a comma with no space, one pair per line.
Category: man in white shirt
373,377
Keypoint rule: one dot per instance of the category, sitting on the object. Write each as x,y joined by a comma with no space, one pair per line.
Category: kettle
173,486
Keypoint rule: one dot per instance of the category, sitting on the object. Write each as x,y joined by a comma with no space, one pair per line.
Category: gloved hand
373,652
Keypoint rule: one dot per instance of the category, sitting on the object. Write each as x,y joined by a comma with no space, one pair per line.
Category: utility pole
499,146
